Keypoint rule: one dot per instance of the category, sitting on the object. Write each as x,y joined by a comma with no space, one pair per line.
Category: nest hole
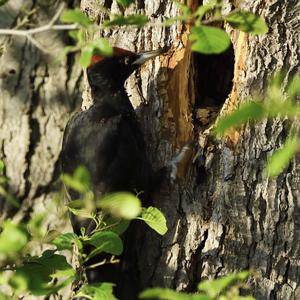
213,83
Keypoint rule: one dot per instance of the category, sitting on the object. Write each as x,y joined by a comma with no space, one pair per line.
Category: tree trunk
37,93
223,214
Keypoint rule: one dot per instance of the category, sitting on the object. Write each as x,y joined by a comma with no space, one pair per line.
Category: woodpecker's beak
144,56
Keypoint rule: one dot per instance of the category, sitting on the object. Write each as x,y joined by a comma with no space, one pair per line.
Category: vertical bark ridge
37,95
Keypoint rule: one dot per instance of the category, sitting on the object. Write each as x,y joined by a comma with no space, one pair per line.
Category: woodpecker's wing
65,164
111,148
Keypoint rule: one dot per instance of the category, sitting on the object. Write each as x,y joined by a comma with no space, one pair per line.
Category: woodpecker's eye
127,60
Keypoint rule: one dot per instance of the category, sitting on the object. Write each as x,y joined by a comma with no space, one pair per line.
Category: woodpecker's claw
173,163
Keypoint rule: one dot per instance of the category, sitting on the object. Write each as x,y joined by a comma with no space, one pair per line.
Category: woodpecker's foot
172,165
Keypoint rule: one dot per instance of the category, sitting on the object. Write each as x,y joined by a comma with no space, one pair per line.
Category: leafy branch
277,103
204,37
49,272
29,33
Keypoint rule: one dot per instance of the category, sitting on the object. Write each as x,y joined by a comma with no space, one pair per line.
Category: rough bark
37,93
223,214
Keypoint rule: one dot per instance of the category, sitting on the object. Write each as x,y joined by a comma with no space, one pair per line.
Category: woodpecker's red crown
135,58
116,53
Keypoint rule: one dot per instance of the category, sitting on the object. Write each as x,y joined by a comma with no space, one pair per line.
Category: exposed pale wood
223,214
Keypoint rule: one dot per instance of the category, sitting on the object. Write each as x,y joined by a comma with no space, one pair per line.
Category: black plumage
106,138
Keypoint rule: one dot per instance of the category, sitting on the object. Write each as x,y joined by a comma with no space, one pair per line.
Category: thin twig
104,262
13,32
50,26
213,20
110,226
37,44
65,27
56,16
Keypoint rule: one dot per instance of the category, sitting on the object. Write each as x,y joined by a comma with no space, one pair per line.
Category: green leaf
97,291
202,10
121,205
8,197
274,90
105,241
66,241
75,16
13,239
83,213
85,57
247,22
76,35
294,86
209,40
282,108
246,112
35,225
154,218
2,2
281,158
51,235
79,182
214,287
237,298
19,283
4,297
69,49
82,175
3,180
119,20
184,9
168,294
3,278
2,166
277,103
38,273
100,46
83,203
82,231
171,21
69,273
115,225
125,3
3,192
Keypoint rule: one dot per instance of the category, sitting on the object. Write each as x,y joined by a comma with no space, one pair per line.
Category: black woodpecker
106,138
